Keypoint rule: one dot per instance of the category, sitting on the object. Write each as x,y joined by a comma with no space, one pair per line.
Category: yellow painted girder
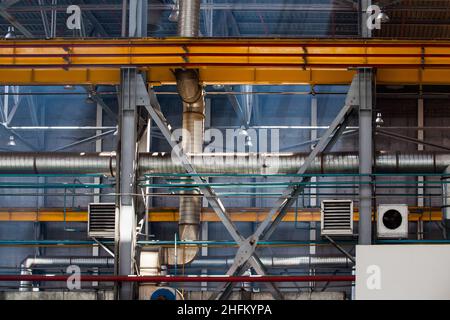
231,61
171,215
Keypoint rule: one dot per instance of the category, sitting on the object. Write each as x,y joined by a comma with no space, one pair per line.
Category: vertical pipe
189,18
193,135
192,95
124,17
365,156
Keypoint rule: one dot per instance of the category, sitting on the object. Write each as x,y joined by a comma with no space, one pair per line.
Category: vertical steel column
421,179
365,31
126,174
205,224
138,19
126,231
313,199
97,180
365,155
365,138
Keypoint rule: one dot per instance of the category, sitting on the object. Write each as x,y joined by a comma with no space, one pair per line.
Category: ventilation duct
284,163
192,96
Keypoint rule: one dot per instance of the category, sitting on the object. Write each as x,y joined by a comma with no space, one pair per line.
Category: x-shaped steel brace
266,228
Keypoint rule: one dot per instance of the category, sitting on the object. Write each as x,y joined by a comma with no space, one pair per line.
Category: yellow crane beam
172,215
230,61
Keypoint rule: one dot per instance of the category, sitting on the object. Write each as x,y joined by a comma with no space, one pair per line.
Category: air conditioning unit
392,221
336,217
102,220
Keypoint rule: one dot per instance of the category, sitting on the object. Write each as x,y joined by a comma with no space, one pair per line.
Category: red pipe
84,278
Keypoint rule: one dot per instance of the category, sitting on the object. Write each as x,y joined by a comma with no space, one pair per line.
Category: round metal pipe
26,267
58,163
283,163
277,262
189,18
289,163
171,279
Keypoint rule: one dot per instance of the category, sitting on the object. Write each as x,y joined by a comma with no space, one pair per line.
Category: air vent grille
102,220
337,217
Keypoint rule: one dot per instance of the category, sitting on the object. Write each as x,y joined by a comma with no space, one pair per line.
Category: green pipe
233,175
329,184
26,175
21,185
158,243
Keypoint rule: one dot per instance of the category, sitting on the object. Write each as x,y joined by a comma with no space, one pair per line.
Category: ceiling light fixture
379,120
11,142
11,34
243,131
249,142
383,17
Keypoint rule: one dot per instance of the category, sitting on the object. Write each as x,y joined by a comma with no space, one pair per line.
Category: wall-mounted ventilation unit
392,221
102,220
337,218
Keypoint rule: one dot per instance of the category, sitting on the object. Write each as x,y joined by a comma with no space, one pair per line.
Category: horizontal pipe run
227,163
43,243
171,279
277,262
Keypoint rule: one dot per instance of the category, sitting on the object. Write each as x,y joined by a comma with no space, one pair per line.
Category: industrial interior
224,150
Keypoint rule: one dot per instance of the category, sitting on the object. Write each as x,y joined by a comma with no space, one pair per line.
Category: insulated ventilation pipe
192,95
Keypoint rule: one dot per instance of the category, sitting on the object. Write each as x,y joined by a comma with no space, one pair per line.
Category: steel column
127,161
365,31
365,154
138,18
420,147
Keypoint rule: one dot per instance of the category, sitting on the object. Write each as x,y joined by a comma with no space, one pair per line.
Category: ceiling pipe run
282,163
181,279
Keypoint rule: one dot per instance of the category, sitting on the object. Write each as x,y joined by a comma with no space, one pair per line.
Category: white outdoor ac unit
102,220
392,221
337,218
